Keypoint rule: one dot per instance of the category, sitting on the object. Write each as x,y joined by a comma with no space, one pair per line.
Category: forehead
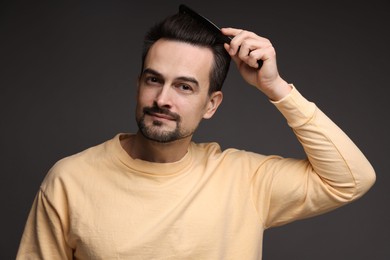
176,59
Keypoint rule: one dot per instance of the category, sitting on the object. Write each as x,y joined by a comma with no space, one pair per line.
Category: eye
185,87
151,80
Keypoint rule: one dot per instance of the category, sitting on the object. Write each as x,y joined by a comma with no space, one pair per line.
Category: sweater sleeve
334,173
44,234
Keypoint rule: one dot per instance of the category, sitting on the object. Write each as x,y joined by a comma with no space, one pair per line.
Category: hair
182,27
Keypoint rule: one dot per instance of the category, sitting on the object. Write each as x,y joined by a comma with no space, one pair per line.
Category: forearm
331,153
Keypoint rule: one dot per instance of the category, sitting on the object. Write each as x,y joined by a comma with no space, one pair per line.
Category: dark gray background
67,82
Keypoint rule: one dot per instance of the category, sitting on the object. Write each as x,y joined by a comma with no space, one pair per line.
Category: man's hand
246,48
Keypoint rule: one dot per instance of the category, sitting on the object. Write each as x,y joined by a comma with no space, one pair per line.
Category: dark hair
182,27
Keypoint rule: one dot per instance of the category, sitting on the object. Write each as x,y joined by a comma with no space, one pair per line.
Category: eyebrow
184,78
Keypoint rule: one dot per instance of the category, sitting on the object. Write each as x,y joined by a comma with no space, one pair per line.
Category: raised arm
335,171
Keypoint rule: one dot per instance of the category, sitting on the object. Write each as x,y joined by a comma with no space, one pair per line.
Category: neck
139,147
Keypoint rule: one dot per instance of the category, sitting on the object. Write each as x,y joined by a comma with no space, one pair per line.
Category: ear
213,103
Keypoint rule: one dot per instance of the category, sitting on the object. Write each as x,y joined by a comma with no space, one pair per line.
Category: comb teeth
206,22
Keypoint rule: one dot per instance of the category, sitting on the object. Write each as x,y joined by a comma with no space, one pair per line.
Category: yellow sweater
212,204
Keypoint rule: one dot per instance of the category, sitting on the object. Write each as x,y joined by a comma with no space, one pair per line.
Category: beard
155,132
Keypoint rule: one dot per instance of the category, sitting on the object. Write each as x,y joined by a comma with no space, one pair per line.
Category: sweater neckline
146,167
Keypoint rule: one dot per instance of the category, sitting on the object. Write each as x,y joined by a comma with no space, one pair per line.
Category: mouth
161,113
161,116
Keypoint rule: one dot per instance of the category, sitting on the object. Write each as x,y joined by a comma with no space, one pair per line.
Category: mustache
155,109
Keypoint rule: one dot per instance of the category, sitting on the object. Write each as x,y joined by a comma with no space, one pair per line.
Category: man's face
173,91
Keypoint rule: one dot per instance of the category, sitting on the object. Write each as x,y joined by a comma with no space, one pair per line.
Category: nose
164,97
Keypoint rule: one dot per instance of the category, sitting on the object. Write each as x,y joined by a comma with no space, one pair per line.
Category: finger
238,40
248,39
264,53
253,50
235,58
254,57
234,44
229,31
247,46
238,36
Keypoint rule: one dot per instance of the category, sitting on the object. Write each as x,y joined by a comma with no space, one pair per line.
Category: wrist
279,89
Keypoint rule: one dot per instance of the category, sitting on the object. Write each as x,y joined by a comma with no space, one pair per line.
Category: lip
162,116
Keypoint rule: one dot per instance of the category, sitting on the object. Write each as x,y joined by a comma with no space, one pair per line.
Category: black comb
210,25
206,22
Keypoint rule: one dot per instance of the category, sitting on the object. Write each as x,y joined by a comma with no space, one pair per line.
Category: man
157,195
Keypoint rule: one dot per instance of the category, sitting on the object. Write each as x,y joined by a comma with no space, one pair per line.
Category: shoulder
77,167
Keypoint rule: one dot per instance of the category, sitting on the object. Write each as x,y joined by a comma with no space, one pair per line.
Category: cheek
144,98
142,101
195,113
